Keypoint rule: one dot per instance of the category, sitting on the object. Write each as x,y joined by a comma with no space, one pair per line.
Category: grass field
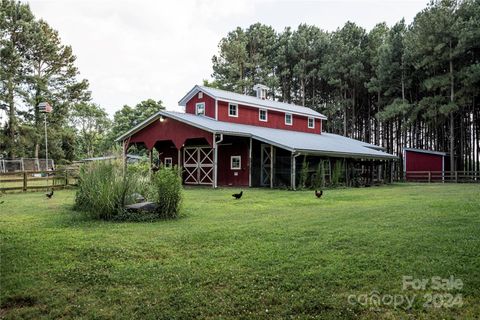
272,254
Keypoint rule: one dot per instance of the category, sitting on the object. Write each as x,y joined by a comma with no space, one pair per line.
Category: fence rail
443,176
34,180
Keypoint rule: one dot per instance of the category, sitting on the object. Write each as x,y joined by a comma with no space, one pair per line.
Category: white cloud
134,50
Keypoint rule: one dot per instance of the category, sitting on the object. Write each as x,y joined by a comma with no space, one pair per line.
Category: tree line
397,86
35,66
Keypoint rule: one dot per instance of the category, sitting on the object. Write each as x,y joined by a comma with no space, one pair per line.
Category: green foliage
302,181
128,117
319,178
167,192
104,189
338,173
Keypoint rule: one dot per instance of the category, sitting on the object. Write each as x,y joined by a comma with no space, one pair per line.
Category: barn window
262,115
311,122
288,119
168,162
235,162
200,95
200,109
232,110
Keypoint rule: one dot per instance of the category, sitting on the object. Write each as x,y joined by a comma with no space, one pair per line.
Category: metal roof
301,142
426,151
251,101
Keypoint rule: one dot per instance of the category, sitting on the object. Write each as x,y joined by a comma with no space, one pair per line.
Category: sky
135,50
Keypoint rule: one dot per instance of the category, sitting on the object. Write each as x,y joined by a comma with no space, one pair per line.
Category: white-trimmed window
262,115
233,110
200,95
311,122
288,119
168,162
200,109
235,162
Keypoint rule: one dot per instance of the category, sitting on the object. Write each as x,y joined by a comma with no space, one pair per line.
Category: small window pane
232,110
263,115
235,162
288,118
311,122
168,162
200,109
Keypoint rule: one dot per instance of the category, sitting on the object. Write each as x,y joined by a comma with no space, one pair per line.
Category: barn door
198,165
265,165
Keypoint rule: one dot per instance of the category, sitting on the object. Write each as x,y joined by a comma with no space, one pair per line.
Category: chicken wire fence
26,164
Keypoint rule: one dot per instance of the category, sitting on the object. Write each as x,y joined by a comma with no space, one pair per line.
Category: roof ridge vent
261,91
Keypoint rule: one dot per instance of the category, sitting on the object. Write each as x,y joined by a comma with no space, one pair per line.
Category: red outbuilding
416,161
229,139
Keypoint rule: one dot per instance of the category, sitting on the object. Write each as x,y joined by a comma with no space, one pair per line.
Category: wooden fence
37,180
443,176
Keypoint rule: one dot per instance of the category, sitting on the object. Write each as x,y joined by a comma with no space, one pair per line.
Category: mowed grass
272,254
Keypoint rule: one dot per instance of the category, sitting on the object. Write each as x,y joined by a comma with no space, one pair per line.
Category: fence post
66,177
24,181
456,176
429,176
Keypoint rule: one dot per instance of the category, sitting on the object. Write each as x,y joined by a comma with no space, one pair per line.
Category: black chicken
237,195
49,194
318,194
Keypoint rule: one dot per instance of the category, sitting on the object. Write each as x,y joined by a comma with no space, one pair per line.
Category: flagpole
46,147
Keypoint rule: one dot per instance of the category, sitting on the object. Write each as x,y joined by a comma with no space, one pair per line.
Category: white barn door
198,165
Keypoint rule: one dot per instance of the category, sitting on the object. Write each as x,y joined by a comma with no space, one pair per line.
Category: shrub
104,189
302,181
167,191
337,173
319,180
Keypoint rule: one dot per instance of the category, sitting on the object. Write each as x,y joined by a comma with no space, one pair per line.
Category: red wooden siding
276,119
418,161
169,129
209,105
227,176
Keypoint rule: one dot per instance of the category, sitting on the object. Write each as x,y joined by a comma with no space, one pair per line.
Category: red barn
417,160
226,138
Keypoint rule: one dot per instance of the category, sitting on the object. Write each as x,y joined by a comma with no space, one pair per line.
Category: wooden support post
456,176
429,176
66,177
25,180
293,167
347,180
271,166
250,164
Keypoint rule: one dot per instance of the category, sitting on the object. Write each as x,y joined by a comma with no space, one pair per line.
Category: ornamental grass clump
167,192
104,189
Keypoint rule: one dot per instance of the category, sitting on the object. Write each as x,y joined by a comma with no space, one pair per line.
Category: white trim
216,109
196,108
165,162
236,110
426,151
291,119
239,162
266,115
200,95
308,122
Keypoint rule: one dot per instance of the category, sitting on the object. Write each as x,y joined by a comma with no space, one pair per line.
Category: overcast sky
135,50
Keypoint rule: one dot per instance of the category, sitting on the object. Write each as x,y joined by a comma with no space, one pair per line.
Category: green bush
167,192
104,189
337,173
302,181
319,179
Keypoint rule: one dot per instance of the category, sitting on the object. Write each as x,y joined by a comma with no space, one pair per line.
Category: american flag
44,107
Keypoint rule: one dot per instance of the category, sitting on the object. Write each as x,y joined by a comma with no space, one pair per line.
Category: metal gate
198,165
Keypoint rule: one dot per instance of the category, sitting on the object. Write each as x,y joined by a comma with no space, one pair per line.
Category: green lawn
272,254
